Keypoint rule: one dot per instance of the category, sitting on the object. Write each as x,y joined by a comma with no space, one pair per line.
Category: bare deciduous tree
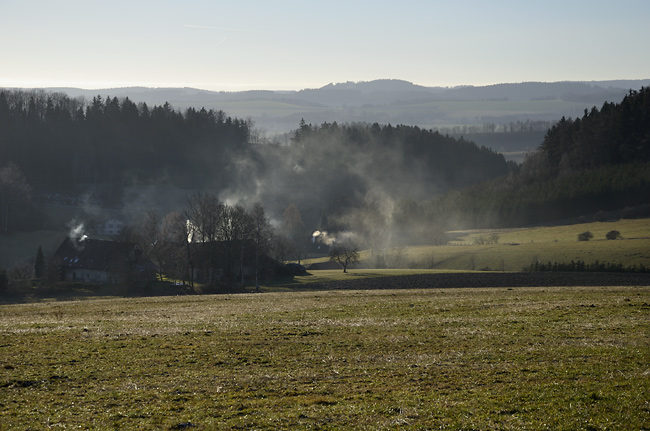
344,252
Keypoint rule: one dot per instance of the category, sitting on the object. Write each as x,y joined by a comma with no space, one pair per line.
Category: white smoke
76,234
323,237
77,231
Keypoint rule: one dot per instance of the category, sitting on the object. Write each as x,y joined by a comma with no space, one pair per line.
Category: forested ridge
383,181
599,162
63,144
101,147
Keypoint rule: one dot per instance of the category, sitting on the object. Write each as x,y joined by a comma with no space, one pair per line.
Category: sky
291,45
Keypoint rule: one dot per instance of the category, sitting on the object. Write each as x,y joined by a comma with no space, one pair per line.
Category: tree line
615,134
352,166
598,162
397,179
518,126
61,143
101,147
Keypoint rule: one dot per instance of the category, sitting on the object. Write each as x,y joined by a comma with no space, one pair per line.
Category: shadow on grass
349,281
79,291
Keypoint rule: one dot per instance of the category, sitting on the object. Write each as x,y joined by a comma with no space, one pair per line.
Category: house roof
94,254
330,264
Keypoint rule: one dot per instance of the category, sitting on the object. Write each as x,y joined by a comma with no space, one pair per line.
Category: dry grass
533,358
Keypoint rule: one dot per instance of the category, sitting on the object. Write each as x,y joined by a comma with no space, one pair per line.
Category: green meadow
457,359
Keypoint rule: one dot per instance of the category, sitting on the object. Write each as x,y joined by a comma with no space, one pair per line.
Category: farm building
101,261
324,265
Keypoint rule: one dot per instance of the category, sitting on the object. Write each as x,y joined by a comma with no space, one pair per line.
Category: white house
110,227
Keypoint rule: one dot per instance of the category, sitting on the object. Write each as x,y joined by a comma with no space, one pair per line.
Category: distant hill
383,91
526,110
390,101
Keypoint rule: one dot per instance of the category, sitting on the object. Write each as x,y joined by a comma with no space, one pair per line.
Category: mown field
556,358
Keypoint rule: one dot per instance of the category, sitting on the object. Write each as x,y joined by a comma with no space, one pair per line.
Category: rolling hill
388,101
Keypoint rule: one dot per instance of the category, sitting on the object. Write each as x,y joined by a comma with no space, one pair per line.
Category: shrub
613,234
492,239
585,236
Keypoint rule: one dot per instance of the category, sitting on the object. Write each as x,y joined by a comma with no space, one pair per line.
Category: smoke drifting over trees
339,177
377,185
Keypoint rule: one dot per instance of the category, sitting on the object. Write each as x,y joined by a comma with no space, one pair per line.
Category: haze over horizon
255,45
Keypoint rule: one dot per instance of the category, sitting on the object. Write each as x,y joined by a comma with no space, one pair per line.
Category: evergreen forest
73,151
389,184
597,163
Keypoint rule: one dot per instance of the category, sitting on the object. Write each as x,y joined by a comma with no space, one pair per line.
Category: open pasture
497,358
516,257
516,249
566,233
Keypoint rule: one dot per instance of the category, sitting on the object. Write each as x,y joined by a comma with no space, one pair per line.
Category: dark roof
324,265
97,254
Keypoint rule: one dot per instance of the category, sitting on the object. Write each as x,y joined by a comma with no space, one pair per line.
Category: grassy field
519,248
525,358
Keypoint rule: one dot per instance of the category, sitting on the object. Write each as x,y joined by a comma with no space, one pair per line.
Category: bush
585,236
613,234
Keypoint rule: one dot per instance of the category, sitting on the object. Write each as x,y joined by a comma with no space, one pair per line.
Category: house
101,261
110,227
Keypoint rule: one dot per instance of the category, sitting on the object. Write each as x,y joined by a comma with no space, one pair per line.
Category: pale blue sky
290,45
